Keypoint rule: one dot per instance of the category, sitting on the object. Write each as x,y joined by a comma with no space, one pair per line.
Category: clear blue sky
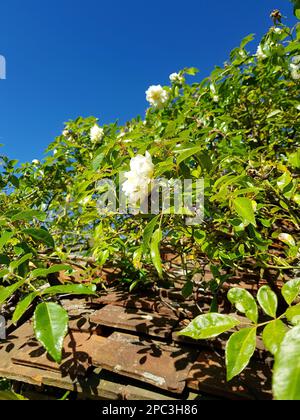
67,58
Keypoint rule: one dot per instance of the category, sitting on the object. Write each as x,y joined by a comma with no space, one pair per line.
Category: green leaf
274,113
148,233
286,378
5,237
44,272
51,326
71,289
244,303
4,272
41,235
244,208
239,350
96,163
23,306
273,335
191,71
294,158
11,396
268,301
187,153
291,290
293,315
209,326
284,181
15,264
29,215
155,252
187,290
7,292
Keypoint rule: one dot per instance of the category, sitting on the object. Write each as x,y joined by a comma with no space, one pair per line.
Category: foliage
237,129
280,338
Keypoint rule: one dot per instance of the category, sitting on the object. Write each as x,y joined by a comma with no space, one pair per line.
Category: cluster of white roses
96,133
260,53
157,96
139,178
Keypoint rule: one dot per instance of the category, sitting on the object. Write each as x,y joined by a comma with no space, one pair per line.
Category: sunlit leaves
268,301
244,208
286,379
51,326
209,326
291,290
239,350
273,335
244,303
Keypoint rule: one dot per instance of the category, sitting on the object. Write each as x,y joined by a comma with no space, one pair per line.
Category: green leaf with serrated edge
273,335
291,290
23,306
148,232
7,292
293,315
40,235
268,301
155,252
286,377
71,289
209,326
244,303
244,208
51,326
239,350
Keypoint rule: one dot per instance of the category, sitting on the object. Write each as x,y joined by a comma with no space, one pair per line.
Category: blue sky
69,58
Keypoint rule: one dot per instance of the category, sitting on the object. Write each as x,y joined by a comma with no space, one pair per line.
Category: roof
124,346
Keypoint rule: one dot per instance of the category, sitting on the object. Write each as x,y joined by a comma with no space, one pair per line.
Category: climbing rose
260,54
96,133
157,96
136,188
142,166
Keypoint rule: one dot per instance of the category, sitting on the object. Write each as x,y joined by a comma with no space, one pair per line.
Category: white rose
136,188
287,239
296,74
157,96
176,78
260,54
142,166
35,162
96,133
295,68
